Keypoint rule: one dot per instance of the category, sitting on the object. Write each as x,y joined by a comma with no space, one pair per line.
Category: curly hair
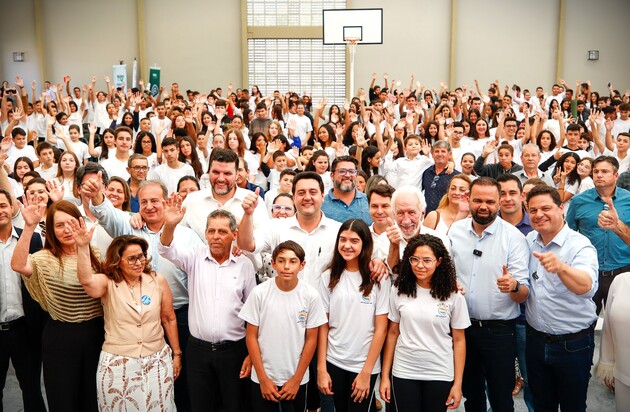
443,281
113,258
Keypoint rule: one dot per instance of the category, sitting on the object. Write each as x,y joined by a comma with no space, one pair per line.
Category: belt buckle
5,327
607,273
215,346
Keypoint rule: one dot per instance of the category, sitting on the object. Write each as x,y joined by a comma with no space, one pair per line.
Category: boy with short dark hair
279,164
283,316
47,168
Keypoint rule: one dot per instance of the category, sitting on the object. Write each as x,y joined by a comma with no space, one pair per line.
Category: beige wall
199,42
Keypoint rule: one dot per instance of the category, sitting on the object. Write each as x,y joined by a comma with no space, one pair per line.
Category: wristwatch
516,288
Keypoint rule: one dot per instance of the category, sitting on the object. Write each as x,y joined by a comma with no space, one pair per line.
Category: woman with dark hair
473,116
236,143
319,164
350,343
479,136
592,102
566,177
22,166
188,154
73,335
431,131
325,138
207,121
546,142
425,349
137,306
106,147
350,136
371,160
145,145
129,121
118,192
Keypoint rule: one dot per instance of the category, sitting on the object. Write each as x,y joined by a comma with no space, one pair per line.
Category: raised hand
55,190
608,219
250,202
393,232
32,214
92,187
550,261
80,232
173,210
92,128
19,82
506,283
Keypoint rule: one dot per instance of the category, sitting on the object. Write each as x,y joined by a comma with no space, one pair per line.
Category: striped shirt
57,289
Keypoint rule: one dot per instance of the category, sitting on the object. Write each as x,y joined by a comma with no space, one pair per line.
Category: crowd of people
238,251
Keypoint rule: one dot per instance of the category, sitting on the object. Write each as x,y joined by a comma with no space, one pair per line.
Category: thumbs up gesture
506,282
393,232
608,218
250,202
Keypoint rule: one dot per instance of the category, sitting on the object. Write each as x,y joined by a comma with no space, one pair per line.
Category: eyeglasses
343,172
416,261
132,260
140,168
280,208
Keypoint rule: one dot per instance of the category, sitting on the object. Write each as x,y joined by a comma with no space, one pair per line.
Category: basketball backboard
364,25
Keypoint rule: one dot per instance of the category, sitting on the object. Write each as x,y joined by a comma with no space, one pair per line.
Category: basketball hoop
352,41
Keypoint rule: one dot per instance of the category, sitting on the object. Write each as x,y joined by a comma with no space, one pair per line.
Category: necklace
132,291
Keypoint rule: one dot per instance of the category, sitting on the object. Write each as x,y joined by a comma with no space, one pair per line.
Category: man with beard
345,201
491,258
408,205
222,194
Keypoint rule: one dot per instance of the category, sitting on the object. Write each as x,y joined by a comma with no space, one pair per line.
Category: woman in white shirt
66,177
349,347
585,171
425,349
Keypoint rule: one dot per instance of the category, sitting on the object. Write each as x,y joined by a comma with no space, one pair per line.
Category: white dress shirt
500,244
217,291
10,282
551,307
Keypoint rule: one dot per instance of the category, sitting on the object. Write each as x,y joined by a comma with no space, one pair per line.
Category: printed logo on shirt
366,300
442,310
302,315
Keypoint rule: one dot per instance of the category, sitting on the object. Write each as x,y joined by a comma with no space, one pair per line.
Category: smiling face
511,200
425,265
344,177
282,208
408,215
484,204
308,198
545,216
37,194
349,246
584,168
132,252
468,163
222,177
151,199
380,208
321,164
115,192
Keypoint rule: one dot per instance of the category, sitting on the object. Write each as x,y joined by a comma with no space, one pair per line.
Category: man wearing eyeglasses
344,201
436,179
491,258
138,168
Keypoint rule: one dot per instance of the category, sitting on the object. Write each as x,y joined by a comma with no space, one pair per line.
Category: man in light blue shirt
602,214
491,258
345,201
560,310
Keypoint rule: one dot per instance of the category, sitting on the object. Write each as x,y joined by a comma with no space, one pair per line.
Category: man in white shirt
47,168
219,284
223,193
160,123
117,165
491,258
300,125
409,206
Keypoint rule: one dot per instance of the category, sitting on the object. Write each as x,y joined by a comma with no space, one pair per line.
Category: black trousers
213,376
425,396
24,353
182,400
342,390
70,352
260,404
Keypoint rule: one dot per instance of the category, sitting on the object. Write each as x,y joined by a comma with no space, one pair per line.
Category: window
280,59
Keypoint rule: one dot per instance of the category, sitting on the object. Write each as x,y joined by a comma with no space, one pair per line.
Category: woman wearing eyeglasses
73,334
136,369
425,348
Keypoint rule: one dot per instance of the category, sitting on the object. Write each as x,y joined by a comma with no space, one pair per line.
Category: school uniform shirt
351,319
282,319
424,350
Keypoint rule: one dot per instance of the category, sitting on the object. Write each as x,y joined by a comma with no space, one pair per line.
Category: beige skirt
136,384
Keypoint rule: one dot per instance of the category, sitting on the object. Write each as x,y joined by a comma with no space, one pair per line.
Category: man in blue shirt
602,214
345,201
560,311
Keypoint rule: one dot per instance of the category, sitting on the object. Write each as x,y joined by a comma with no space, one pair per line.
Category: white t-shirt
164,124
351,319
47,174
170,177
282,319
14,153
101,117
620,126
79,148
115,167
302,127
424,350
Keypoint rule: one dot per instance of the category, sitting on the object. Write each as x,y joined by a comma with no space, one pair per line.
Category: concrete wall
199,42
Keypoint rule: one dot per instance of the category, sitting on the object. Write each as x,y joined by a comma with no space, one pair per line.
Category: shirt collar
559,239
208,256
489,230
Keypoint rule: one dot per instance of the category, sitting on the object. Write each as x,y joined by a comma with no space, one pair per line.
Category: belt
493,323
227,344
561,338
614,272
7,326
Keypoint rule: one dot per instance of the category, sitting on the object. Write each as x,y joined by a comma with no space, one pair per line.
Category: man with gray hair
409,208
436,179
530,158
219,284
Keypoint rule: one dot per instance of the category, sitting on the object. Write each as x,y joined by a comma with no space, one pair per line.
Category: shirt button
139,342
139,325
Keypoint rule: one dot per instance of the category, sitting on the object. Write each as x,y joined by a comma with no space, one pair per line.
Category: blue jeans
522,364
559,372
490,353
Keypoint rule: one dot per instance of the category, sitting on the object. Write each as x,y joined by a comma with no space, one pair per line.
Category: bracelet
180,353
